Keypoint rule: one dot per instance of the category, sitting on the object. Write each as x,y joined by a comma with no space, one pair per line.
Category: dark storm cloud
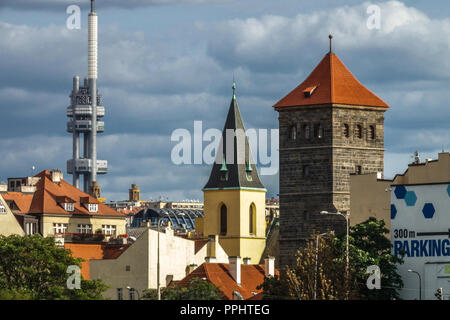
153,85
126,4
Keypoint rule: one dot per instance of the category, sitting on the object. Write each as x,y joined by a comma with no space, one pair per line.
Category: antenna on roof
32,170
330,36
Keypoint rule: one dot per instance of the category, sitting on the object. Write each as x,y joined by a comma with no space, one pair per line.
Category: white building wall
420,225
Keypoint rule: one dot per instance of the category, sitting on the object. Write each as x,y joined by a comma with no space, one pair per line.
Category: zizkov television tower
84,112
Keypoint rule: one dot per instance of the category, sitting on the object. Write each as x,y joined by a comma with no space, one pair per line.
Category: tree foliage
33,267
326,264
198,289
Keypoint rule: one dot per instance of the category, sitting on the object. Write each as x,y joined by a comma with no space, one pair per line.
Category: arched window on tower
346,130
371,132
358,131
223,220
306,131
252,219
293,132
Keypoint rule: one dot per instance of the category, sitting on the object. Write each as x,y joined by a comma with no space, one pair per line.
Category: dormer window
93,207
90,206
69,207
224,171
309,91
66,203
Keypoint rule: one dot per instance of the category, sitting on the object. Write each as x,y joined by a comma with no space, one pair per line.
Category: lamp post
135,290
420,283
317,258
347,268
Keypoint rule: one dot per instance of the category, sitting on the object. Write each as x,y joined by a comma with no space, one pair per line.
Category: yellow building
370,195
61,209
234,197
8,223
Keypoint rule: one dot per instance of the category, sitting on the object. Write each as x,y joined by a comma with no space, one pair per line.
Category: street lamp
346,216
420,283
317,258
134,290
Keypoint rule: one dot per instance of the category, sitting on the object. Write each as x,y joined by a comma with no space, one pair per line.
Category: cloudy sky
167,63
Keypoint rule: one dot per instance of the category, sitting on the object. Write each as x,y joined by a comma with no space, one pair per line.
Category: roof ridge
331,77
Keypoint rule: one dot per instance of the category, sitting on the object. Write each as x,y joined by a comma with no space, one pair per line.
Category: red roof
23,201
45,199
86,252
335,84
218,274
93,251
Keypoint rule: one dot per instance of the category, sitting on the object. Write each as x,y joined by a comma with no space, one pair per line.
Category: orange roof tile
22,200
44,200
86,252
218,274
335,84
94,251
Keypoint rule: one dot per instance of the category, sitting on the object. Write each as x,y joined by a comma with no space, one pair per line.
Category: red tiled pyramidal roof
331,82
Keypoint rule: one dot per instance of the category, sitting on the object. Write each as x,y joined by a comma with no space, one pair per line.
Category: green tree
33,267
197,289
371,246
368,245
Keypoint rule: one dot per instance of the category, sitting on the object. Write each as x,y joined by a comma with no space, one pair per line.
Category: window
30,228
69,206
84,228
252,219
306,215
371,132
132,294
318,131
127,268
109,229
358,132
305,171
2,208
346,130
358,170
93,207
60,228
293,132
223,220
306,131
119,294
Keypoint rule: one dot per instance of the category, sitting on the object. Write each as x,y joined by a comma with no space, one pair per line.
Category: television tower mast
83,113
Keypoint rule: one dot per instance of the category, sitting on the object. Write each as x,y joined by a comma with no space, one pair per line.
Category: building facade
330,126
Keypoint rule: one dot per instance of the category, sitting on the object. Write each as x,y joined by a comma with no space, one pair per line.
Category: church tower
330,126
234,197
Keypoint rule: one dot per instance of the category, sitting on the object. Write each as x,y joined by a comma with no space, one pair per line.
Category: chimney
213,240
235,268
269,266
56,175
247,260
3,187
210,260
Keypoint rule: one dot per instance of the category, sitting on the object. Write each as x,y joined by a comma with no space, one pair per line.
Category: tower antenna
330,36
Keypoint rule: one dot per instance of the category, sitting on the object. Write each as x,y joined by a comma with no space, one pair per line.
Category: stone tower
330,126
234,197
134,193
